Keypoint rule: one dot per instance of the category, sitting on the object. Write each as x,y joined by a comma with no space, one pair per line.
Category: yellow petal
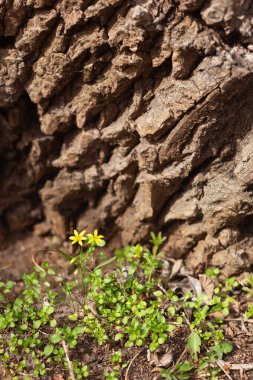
75,233
82,233
95,232
72,238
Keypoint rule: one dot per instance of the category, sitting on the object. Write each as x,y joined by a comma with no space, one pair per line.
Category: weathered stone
130,116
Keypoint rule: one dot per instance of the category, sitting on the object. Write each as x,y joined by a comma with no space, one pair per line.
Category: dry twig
131,362
71,370
223,369
245,367
181,356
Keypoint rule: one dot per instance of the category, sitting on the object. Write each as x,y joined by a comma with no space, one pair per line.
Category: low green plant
181,371
126,305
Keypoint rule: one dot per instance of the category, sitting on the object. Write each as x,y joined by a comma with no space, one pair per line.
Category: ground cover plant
95,321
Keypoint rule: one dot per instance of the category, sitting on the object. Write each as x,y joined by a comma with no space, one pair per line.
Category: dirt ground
16,254
99,358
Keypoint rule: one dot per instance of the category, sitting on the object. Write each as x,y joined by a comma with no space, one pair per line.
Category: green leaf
10,284
179,320
51,272
225,311
158,294
170,327
73,343
53,323
62,253
104,263
24,327
171,310
226,347
185,367
222,348
153,346
56,338
165,373
73,317
48,309
48,349
118,336
162,339
128,344
194,343
37,324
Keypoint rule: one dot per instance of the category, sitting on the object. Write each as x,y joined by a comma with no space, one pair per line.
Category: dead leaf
195,285
207,284
176,268
165,270
5,373
236,306
228,330
156,369
162,357
216,314
58,376
226,367
93,307
158,377
165,360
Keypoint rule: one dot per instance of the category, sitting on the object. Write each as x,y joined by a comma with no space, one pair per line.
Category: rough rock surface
130,116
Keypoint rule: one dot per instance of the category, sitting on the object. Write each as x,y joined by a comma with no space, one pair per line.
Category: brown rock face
130,116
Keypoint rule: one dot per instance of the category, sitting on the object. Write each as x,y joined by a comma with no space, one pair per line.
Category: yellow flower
78,238
95,238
